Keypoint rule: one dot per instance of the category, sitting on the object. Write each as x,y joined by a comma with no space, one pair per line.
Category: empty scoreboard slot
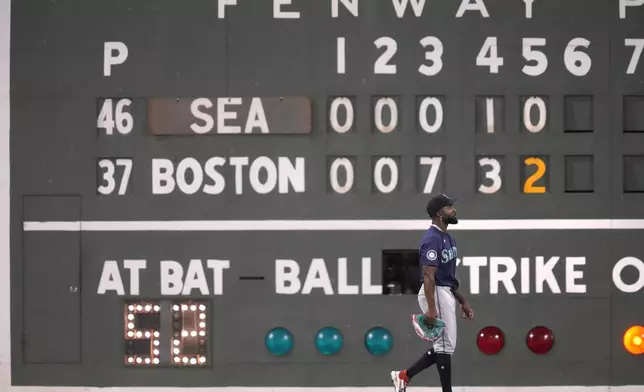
578,113
400,272
634,173
580,173
633,113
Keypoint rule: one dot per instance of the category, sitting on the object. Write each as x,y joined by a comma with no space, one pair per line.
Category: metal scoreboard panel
112,102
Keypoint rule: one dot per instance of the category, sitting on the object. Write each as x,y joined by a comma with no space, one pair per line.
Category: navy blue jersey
438,249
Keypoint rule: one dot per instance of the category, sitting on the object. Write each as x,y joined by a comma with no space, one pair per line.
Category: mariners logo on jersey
448,254
439,249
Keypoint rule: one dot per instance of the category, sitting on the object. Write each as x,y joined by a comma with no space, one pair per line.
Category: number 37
490,177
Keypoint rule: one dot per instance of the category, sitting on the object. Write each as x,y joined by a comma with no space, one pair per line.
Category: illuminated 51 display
166,333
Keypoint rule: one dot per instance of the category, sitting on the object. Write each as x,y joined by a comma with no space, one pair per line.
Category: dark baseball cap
437,202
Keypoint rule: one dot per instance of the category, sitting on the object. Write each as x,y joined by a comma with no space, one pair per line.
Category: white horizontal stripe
625,388
335,225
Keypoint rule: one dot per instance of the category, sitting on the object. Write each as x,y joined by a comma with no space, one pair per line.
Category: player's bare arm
459,297
468,313
429,285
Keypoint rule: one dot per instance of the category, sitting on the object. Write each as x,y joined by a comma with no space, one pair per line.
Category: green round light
279,341
329,341
378,341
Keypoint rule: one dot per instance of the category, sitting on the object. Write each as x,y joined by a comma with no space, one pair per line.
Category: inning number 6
492,174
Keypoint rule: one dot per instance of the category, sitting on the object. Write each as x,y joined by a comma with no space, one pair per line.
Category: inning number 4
114,116
108,167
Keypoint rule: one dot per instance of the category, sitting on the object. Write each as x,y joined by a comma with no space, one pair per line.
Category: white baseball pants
446,307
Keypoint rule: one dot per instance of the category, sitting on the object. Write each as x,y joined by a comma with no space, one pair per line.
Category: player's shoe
399,384
429,334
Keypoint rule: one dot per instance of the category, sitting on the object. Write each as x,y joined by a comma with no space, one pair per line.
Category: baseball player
438,294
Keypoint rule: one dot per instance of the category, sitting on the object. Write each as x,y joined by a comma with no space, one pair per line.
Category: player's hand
468,313
431,316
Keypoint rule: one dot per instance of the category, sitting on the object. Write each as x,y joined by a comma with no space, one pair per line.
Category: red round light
540,340
490,340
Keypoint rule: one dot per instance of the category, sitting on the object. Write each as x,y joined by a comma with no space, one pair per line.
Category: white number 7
434,163
109,167
638,45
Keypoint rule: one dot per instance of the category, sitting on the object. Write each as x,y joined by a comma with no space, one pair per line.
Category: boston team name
262,175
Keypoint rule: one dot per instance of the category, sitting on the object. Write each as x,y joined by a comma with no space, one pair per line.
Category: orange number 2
528,186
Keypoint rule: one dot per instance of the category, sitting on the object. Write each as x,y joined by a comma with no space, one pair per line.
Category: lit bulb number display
173,333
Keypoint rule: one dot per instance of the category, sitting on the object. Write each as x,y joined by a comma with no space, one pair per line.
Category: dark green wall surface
590,148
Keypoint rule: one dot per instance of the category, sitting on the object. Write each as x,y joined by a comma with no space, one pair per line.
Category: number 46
110,117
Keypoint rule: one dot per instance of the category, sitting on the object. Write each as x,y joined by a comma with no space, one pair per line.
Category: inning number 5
493,174
108,168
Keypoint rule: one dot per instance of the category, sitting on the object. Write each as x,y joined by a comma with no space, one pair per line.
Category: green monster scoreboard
232,192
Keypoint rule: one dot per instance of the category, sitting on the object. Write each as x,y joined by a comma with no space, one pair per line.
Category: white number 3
493,174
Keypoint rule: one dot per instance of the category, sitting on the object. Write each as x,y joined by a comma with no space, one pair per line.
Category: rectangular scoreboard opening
400,272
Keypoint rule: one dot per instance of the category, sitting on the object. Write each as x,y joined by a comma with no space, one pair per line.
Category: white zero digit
333,114
531,54
377,174
381,65
434,166
527,107
434,55
393,110
333,175
638,45
488,55
109,169
422,114
577,62
493,174
108,117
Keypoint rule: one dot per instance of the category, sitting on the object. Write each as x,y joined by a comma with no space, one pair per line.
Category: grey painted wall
66,333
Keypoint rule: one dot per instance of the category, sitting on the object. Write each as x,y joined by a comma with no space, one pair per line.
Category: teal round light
378,341
279,341
329,341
